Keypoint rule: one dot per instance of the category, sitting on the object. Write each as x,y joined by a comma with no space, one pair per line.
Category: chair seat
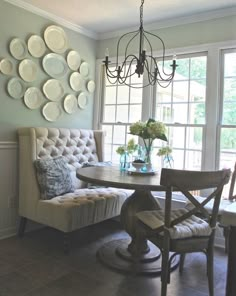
191,227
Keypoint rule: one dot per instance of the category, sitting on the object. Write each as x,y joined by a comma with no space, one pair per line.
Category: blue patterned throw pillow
53,176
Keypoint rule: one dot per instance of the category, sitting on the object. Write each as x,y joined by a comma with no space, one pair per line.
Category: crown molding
53,18
195,18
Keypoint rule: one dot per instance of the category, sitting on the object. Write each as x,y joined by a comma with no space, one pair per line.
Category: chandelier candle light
144,60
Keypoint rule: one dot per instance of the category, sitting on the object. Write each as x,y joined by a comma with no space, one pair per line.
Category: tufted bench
73,210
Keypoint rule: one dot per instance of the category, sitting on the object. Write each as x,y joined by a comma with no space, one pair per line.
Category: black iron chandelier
120,73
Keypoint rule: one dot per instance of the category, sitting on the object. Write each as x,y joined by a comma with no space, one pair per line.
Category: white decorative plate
16,88
6,66
36,46
91,86
73,60
28,70
70,104
53,89
56,39
52,111
33,98
18,48
84,69
76,81
82,100
55,65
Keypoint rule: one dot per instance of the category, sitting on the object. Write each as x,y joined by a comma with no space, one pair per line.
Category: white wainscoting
8,189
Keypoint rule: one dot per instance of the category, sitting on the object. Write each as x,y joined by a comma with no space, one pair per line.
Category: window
181,106
122,105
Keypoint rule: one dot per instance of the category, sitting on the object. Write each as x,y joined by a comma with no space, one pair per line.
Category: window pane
163,113
180,113
194,138
197,91
135,113
197,113
177,137
108,130
136,96
180,91
178,156
182,70
230,64
119,135
109,114
228,140
107,152
122,113
230,89
110,97
229,113
164,94
193,160
198,67
123,94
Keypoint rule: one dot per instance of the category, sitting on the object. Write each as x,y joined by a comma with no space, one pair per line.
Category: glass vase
168,162
124,161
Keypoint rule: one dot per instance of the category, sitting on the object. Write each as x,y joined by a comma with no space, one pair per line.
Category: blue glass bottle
124,161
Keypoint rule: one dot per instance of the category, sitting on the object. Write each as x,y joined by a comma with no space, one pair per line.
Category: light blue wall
211,31
17,22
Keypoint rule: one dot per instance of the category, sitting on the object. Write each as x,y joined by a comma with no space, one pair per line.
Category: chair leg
22,225
210,270
181,262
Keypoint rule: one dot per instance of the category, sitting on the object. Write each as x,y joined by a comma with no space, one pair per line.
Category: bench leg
22,225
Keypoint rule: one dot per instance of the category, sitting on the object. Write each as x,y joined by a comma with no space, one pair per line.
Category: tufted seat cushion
83,207
190,227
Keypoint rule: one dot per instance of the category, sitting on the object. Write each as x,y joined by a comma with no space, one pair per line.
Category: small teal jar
124,161
168,161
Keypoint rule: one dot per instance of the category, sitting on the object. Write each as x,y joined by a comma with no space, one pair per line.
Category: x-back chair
179,230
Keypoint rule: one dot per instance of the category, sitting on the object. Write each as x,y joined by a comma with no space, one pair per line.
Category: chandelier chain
141,13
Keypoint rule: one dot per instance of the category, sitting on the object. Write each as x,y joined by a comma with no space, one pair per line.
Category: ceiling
103,16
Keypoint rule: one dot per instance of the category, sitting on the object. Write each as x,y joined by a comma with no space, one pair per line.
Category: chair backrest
186,181
232,184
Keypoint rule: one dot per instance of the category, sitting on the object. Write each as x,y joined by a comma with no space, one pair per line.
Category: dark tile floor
36,266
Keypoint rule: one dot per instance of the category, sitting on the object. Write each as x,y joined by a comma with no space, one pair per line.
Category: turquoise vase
124,161
168,162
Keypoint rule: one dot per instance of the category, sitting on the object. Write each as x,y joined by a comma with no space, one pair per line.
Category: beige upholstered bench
79,207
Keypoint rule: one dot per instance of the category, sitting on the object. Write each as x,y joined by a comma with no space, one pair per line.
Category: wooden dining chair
179,230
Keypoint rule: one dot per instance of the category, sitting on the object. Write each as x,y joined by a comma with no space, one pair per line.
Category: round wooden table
137,255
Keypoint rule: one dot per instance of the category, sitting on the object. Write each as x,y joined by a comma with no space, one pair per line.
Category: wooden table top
112,176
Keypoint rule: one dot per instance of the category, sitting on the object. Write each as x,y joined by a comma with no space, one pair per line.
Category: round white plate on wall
55,65
84,69
73,60
56,39
36,46
82,100
76,81
91,86
28,70
70,104
53,89
52,111
33,98
18,48
6,66
16,88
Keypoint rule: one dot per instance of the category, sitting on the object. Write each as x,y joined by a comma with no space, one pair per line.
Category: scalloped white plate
28,70
18,48
84,69
53,89
82,100
36,46
6,66
70,104
16,88
73,60
91,86
56,39
76,81
55,65
52,111
33,98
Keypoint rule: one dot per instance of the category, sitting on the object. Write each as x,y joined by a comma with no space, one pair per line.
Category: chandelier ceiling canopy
144,61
